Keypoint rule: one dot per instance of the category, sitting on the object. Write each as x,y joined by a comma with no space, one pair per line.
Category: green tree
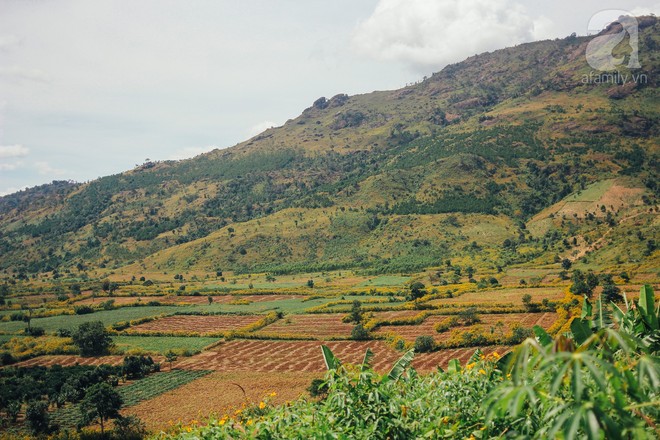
417,290
356,312
566,264
92,339
36,416
101,402
170,357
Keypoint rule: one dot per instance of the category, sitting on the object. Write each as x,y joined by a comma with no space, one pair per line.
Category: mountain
522,155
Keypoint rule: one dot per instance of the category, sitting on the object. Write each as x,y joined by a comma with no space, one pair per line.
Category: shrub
318,387
83,310
35,331
359,333
424,344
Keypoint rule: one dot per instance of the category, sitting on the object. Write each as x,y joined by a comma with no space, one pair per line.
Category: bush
129,428
318,387
83,310
35,331
359,333
424,344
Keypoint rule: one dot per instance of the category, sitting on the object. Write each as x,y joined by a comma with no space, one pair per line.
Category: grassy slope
259,206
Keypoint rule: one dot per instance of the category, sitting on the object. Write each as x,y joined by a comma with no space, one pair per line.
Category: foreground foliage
599,383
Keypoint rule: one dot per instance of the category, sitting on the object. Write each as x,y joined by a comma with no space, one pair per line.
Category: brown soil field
71,360
315,326
219,394
397,314
306,356
197,323
173,299
411,332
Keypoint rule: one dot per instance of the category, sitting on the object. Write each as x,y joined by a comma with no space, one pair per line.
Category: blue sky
90,88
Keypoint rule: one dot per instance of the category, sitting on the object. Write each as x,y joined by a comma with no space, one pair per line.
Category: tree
170,357
566,264
417,290
310,284
92,338
611,291
101,402
210,299
580,285
37,418
356,312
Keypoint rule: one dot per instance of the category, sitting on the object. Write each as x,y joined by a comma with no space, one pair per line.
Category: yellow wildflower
262,405
470,366
482,371
273,394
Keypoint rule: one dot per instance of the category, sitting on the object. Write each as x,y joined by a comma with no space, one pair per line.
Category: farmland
255,344
197,323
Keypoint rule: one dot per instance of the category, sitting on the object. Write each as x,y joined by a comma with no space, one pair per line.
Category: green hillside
505,158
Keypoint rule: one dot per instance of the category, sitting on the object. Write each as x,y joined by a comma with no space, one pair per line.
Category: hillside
506,158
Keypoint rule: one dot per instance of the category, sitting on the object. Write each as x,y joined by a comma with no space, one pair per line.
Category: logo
600,50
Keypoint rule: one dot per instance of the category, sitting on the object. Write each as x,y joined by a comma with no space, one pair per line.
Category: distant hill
522,155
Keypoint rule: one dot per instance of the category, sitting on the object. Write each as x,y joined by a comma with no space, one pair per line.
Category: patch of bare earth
218,394
197,323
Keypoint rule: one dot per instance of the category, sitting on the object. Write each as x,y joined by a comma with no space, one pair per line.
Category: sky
91,88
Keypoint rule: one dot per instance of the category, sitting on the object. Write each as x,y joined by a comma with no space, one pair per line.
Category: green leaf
454,366
476,356
586,308
400,366
646,306
331,362
581,330
604,316
542,336
366,362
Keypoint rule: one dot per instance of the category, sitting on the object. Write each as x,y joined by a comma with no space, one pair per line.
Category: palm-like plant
596,382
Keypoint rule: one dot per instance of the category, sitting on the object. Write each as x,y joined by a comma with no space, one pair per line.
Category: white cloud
16,73
10,166
13,151
433,33
261,127
11,190
188,152
45,169
8,41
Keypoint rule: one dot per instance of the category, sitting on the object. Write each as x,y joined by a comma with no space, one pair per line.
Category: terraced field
306,356
309,326
489,322
197,323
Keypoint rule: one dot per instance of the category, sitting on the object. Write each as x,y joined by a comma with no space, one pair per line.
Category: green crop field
108,317
161,344
385,280
134,393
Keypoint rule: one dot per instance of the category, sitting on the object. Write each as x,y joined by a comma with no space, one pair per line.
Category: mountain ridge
495,139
